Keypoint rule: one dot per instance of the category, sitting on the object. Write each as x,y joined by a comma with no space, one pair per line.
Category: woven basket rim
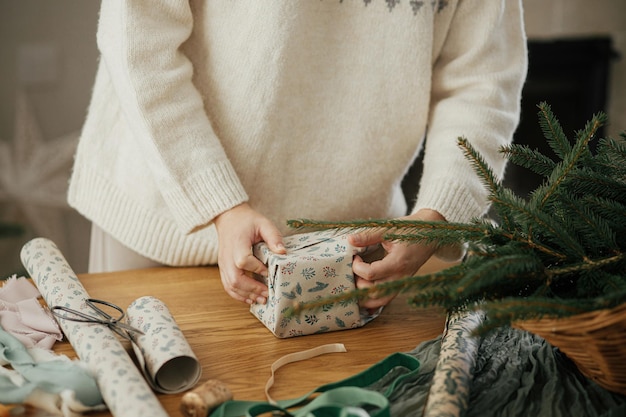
601,318
595,341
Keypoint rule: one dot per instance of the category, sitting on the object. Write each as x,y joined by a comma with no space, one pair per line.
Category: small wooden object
204,398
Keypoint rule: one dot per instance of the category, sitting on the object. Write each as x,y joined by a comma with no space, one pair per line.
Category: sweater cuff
201,198
456,202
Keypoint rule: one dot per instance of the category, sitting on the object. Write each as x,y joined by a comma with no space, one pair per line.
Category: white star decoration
34,175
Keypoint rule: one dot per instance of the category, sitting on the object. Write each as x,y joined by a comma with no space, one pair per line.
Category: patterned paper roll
450,389
123,388
166,358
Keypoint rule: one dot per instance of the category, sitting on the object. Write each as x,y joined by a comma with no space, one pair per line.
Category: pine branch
584,181
561,252
570,159
483,170
613,212
530,159
526,214
553,131
511,310
412,283
586,265
503,203
590,227
513,271
442,233
355,224
616,148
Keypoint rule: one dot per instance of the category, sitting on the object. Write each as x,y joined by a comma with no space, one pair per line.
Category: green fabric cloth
50,376
516,374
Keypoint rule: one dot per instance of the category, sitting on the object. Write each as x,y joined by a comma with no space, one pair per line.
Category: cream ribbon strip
300,356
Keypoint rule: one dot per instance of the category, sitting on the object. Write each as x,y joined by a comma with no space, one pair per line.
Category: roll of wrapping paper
450,389
123,387
163,353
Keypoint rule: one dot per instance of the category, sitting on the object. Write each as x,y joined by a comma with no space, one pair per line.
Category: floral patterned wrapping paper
450,390
122,386
168,363
316,265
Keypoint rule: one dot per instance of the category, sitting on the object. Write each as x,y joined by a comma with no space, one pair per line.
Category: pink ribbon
22,316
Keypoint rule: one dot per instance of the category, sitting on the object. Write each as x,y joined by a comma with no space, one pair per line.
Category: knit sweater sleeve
476,93
140,44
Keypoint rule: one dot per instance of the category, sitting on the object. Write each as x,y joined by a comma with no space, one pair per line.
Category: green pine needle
560,252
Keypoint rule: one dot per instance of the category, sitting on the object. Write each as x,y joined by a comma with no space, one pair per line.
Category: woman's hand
238,229
400,261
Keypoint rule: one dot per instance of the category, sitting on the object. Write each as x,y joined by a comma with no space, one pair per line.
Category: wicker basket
594,341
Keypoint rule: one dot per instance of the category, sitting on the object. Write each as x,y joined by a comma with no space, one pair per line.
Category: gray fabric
516,374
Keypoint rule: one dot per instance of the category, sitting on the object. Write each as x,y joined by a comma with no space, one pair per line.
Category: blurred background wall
48,60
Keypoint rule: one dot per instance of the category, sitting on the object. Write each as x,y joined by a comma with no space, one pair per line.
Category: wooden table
234,347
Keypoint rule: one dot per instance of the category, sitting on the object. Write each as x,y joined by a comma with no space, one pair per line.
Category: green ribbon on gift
345,398
52,376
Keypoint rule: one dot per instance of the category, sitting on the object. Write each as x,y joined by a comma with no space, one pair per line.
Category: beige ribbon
300,356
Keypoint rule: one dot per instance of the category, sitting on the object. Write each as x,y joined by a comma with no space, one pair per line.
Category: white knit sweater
304,108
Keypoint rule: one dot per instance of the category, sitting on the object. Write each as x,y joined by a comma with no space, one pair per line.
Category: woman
218,121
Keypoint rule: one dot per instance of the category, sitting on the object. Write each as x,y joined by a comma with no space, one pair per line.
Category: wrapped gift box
316,265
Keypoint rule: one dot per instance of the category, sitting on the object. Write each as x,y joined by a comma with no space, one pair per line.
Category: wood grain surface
234,347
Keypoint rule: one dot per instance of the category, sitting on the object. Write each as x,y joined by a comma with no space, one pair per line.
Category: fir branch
527,215
585,181
613,212
570,159
611,283
530,159
427,284
597,283
353,224
611,155
437,297
503,203
510,310
487,176
616,148
407,230
512,271
514,311
552,131
559,253
592,228
440,234
586,265
483,170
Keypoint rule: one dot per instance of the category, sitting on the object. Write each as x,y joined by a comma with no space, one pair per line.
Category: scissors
114,323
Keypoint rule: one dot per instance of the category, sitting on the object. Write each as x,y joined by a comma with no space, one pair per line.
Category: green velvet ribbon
345,398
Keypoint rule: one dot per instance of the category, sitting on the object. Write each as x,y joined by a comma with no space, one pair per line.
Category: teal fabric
516,374
51,376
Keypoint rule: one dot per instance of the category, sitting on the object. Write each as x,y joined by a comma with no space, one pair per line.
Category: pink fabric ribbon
22,316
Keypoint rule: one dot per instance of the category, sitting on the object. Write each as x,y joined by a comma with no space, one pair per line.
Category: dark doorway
572,76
